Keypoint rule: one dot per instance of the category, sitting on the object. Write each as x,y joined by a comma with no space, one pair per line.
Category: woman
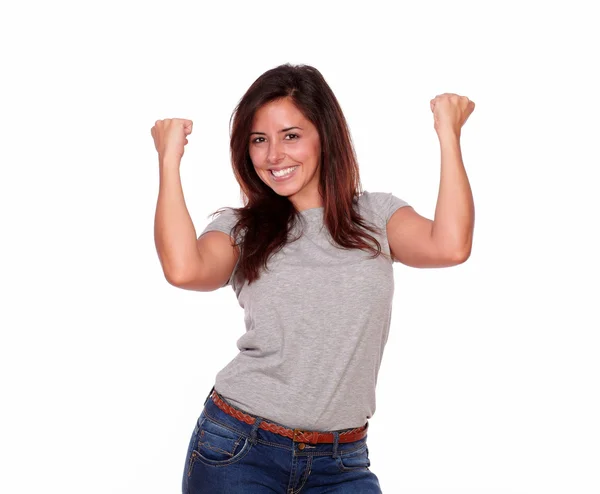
309,257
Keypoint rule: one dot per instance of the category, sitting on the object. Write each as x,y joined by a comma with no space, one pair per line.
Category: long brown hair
267,217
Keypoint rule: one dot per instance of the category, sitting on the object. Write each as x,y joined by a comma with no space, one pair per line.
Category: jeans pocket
218,445
354,460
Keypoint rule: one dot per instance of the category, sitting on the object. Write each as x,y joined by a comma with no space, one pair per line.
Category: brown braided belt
296,435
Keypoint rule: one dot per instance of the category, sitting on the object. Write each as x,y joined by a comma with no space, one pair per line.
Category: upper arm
411,242
216,261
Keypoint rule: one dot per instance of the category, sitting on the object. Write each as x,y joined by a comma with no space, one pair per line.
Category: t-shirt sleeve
386,204
223,222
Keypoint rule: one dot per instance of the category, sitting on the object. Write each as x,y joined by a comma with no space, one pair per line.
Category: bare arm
202,264
454,221
174,232
446,241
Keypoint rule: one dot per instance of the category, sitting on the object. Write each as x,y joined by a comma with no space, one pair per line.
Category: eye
256,140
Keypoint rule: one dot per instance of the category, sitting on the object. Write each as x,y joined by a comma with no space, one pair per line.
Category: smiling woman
292,152
288,162
310,258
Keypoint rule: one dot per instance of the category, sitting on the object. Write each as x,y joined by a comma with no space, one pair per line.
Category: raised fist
170,136
450,112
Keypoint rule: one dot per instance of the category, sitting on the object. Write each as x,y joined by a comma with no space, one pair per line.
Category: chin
285,193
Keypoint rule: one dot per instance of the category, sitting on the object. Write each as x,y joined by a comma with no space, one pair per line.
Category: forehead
278,112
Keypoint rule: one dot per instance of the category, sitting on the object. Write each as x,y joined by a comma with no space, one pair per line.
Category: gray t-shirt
316,326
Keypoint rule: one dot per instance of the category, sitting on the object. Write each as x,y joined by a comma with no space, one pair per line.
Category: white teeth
283,172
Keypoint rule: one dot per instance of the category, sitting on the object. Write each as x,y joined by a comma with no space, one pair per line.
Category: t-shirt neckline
311,210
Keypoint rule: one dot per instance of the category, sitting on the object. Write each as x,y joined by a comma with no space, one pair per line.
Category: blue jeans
229,456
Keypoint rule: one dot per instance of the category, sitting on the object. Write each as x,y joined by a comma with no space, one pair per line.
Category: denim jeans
229,456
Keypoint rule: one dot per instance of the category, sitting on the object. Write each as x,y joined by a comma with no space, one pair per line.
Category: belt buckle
296,433
309,436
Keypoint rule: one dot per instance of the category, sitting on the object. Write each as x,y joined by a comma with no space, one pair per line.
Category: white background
490,378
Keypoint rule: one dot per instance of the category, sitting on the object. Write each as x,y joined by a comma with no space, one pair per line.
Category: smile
285,174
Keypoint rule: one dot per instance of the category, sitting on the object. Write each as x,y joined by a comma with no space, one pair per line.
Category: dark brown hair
267,217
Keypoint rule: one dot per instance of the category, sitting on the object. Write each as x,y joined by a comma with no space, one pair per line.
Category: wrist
169,161
448,134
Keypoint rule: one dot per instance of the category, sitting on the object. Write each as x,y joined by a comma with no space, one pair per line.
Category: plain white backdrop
490,378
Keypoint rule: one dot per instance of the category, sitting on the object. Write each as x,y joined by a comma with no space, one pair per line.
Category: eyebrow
282,130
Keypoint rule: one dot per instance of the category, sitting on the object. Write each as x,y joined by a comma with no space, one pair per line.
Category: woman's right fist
170,136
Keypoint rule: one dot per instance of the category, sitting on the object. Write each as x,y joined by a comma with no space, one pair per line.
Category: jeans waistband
254,432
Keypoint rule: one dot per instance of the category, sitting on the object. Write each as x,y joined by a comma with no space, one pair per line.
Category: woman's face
281,137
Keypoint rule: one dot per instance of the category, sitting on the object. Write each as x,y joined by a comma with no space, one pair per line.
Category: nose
275,154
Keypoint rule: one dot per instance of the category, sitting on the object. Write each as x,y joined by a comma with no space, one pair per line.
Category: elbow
175,279
462,251
461,255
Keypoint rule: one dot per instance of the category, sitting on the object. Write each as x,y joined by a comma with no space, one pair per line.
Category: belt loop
254,429
336,439
208,397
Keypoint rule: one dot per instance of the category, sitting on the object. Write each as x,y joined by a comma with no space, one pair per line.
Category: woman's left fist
450,112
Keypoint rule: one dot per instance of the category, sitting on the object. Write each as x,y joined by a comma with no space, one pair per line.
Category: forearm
455,212
174,232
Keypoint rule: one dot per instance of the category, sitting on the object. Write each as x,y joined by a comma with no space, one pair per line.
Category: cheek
255,156
307,154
